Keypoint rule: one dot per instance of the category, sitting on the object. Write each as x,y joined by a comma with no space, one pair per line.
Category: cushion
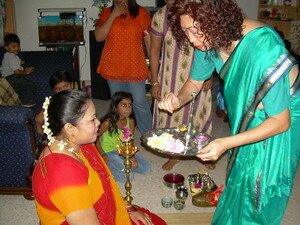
8,96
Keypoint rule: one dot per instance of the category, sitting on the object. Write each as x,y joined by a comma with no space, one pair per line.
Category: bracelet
156,83
131,209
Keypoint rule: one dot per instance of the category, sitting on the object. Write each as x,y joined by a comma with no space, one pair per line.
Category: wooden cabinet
283,15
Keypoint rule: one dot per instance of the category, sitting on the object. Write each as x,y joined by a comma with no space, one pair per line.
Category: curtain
2,20
10,22
7,18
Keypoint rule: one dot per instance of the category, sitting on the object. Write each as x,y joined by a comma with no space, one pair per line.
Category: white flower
45,127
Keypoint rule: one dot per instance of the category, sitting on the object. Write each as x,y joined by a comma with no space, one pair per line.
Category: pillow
8,96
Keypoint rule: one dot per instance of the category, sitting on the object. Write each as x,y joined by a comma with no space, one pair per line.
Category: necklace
224,54
79,154
62,145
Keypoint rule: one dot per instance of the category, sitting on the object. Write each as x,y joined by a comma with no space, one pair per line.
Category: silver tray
190,149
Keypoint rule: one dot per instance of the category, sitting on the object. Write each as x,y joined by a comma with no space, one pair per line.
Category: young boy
59,81
12,70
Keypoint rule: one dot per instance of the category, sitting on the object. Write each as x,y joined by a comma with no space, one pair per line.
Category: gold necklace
62,145
78,154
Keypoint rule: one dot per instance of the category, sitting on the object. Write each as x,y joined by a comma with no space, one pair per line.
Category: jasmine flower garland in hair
45,127
61,144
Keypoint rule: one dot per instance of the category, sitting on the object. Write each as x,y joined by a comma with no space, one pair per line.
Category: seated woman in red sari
71,183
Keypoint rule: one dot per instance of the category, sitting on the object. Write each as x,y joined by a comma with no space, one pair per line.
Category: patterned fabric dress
174,71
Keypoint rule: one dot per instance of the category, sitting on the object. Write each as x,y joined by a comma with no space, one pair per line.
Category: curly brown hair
220,20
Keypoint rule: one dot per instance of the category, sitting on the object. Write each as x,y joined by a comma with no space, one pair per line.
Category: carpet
147,190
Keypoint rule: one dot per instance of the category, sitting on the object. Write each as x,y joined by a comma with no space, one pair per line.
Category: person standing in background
170,75
123,26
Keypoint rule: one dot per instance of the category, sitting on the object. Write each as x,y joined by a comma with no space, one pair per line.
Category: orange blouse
123,57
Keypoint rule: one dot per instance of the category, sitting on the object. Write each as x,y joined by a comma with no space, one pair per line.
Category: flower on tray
166,142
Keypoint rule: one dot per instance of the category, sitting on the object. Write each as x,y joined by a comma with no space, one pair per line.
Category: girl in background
120,115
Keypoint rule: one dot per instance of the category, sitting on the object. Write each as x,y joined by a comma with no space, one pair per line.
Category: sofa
18,135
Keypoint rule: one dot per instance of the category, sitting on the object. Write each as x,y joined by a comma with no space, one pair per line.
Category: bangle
155,83
131,209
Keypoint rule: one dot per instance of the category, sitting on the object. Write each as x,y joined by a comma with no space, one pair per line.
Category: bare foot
169,164
210,165
134,162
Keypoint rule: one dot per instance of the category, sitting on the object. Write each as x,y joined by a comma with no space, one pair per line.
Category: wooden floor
187,218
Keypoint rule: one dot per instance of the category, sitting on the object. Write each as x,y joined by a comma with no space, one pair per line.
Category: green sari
260,175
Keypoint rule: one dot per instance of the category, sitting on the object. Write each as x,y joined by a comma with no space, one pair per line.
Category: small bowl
179,204
173,180
167,202
182,192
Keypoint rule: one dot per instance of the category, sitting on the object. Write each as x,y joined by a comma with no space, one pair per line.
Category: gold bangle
156,83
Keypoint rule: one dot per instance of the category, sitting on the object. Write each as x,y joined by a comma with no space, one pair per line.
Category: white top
10,64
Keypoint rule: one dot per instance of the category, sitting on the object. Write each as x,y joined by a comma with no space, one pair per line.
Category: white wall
27,29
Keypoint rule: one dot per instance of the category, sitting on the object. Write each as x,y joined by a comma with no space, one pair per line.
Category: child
12,70
119,115
59,81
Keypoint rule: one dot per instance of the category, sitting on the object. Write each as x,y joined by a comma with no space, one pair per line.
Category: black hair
133,8
60,76
113,115
11,38
67,106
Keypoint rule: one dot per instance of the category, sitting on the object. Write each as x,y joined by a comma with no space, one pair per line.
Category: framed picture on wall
61,26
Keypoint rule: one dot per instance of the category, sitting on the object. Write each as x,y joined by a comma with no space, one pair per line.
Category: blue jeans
141,108
117,168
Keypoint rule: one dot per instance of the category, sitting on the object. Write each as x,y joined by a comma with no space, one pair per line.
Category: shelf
275,21
277,6
284,18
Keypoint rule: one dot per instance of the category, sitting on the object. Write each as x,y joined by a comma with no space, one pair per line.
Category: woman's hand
120,9
139,216
213,150
207,84
169,103
156,92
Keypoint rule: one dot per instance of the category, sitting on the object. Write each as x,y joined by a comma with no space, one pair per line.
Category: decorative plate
172,141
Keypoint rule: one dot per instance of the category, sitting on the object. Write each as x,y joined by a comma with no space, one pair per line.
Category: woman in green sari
262,96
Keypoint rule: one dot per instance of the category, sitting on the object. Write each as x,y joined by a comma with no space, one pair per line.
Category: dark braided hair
67,106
